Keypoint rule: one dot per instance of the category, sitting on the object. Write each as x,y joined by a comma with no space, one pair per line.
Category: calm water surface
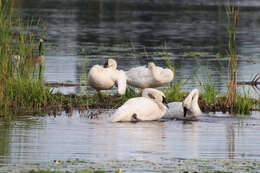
43,139
81,33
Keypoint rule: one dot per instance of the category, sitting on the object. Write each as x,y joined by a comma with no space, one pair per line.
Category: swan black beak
185,111
106,64
164,101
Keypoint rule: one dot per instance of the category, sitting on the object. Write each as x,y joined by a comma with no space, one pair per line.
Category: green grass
22,88
243,103
20,85
130,93
209,93
173,92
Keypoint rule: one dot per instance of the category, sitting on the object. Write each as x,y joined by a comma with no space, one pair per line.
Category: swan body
151,77
187,110
103,78
151,106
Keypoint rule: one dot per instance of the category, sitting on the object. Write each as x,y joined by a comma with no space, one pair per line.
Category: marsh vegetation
22,89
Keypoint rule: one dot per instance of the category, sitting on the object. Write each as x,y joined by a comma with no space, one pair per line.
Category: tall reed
232,13
19,88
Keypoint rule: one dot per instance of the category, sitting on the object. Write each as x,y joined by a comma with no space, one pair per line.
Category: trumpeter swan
103,78
187,110
151,77
151,106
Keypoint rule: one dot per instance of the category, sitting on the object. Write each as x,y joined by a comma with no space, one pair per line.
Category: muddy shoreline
127,166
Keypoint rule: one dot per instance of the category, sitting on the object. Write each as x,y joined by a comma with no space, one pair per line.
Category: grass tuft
243,103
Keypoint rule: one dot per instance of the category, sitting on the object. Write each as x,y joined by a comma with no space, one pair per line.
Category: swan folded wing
144,108
140,77
167,75
121,82
162,75
100,78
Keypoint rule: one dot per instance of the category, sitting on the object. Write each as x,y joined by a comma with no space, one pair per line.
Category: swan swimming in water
151,77
103,78
151,106
187,110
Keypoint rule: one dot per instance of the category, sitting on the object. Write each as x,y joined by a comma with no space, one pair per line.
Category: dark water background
81,33
85,32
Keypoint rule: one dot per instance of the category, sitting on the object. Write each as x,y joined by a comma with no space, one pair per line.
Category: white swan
187,110
103,78
151,77
151,106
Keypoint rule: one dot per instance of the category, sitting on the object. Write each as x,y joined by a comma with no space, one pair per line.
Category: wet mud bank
131,166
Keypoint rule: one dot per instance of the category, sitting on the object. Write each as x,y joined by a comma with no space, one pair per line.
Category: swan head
156,95
110,63
164,101
190,104
151,65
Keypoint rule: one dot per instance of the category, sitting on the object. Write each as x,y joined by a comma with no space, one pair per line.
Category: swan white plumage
103,78
151,77
187,110
151,106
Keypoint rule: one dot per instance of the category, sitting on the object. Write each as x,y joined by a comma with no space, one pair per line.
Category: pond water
81,33
44,139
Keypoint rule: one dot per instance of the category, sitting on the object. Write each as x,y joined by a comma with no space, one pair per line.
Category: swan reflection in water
146,139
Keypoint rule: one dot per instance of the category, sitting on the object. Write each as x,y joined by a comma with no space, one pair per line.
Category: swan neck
191,102
161,106
156,96
155,72
191,98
